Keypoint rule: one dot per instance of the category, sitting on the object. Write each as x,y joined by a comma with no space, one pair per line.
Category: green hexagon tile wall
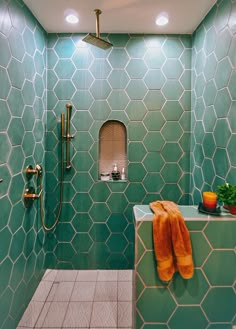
179,110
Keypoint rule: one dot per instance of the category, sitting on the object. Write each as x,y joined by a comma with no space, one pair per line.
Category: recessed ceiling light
72,19
162,19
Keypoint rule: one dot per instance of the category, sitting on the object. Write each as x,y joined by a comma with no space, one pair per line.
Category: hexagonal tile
221,133
16,102
5,83
118,79
154,121
171,152
99,212
172,90
64,69
149,311
150,277
64,251
154,100
28,38
210,40
172,69
82,120
223,73
223,43
219,304
136,89
99,253
198,154
119,40
16,131
82,202
99,232
100,89
154,58
84,142
172,110
82,182
171,192
64,89
136,151
39,62
65,232
232,84
153,162
100,110
117,202
118,100
117,223
5,115
209,119
172,47
5,236
118,58
82,58
82,99
222,103
82,242
100,68
17,244
6,55
222,15
231,150
208,171
16,44
16,153
210,67
171,172
153,182
221,162
28,143
153,141
136,110
136,68
136,47
64,48
224,274
154,79
185,316
16,73
135,192
189,292
5,272
209,93
171,131
28,93
136,172
215,231
136,131
117,242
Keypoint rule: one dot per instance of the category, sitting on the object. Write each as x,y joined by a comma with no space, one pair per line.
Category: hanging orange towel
172,242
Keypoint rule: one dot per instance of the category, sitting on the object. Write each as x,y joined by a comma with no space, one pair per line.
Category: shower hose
42,214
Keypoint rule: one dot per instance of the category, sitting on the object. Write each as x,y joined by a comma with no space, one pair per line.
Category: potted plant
226,193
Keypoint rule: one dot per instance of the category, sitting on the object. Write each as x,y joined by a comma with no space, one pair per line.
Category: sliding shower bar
68,136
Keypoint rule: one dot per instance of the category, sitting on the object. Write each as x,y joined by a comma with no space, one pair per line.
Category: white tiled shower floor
81,299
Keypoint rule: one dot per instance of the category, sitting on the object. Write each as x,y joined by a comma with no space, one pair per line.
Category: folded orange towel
172,242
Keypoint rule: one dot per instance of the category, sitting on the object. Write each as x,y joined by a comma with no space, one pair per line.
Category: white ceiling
121,16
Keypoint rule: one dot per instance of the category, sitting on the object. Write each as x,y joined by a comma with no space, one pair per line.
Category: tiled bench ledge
205,300
144,213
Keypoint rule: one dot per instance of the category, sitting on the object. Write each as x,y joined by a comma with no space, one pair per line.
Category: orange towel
172,242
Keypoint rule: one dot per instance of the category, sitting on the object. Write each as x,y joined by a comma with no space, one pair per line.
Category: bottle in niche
123,174
115,174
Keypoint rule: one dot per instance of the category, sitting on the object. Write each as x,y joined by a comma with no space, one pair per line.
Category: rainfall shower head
96,40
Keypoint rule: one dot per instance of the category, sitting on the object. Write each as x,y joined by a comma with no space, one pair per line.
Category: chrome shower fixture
96,40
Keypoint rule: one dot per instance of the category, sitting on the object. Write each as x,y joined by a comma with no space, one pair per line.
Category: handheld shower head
96,40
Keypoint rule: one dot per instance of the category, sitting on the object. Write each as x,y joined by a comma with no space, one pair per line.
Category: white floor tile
124,314
66,275
49,275
107,275
63,292
125,275
125,291
83,291
42,291
105,291
78,315
55,315
104,315
87,275
52,291
31,314
42,316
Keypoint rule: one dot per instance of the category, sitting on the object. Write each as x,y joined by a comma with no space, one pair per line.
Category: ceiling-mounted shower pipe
68,136
96,40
